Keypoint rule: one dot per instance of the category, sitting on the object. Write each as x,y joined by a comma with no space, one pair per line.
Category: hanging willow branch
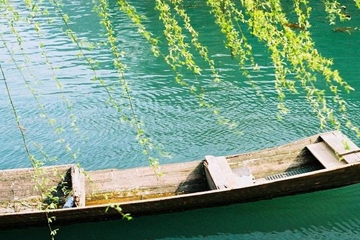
36,164
134,120
17,119
294,52
298,66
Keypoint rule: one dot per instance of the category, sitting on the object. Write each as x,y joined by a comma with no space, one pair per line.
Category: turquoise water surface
173,120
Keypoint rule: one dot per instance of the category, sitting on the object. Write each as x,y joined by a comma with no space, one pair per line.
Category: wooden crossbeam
219,173
325,155
78,186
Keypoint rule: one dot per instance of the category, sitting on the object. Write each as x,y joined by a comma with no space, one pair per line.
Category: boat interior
324,151
320,152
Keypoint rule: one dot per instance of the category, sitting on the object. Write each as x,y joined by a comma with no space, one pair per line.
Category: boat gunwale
186,195
35,168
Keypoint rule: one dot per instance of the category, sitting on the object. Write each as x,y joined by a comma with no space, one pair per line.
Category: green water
172,118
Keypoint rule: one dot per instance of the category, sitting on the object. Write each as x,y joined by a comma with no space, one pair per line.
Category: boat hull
310,182
320,162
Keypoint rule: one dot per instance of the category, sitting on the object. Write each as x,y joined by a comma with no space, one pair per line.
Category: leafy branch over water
298,66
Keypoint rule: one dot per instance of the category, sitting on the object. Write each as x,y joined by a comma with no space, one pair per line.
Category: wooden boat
323,161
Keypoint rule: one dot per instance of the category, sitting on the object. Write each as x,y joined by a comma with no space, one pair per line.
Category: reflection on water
172,118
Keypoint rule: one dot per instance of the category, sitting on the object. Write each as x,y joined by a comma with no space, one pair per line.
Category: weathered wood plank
352,158
340,143
78,186
325,155
20,188
220,174
142,182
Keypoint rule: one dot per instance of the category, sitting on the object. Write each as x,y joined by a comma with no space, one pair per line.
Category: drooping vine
287,45
298,65
293,52
36,164
335,11
133,120
13,17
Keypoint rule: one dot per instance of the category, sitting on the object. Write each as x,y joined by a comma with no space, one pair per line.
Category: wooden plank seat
340,143
220,176
325,155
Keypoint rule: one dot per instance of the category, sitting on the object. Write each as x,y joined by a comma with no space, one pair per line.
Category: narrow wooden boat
323,161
